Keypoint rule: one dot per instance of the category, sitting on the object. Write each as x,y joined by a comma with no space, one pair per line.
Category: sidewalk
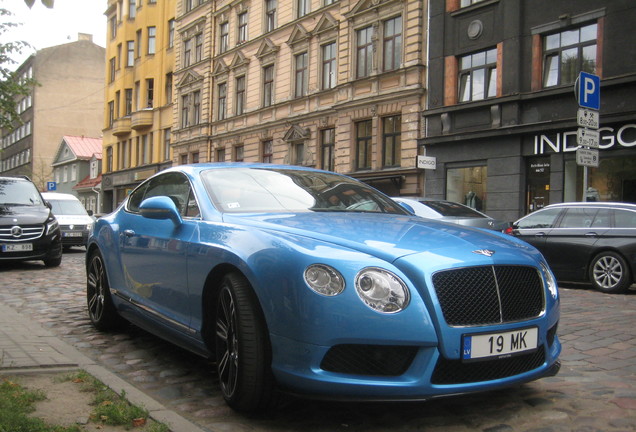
26,347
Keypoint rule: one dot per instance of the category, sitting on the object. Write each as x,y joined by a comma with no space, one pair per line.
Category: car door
154,251
535,227
571,244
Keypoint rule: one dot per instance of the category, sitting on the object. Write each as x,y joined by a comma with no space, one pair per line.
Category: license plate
497,345
72,234
21,247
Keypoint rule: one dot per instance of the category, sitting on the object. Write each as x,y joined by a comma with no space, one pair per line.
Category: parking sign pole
587,90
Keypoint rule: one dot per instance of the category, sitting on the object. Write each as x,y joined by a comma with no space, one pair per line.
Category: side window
539,220
625,219
173,185
603,219
578,218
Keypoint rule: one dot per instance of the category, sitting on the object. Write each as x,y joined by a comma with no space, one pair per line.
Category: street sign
587,118
426,162
589,90
51,186
587,137
587,157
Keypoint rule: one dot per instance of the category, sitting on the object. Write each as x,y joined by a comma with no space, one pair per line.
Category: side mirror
89,212
160,207
407,207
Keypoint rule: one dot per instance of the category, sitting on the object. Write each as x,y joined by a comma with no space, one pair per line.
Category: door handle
129,233
540,234
591,234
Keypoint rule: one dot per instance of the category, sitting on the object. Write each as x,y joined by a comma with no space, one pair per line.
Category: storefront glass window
467,186
613,180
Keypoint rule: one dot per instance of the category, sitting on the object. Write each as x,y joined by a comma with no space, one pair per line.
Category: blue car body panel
158,270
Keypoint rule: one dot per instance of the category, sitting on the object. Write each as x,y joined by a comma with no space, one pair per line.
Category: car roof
592,204
59,195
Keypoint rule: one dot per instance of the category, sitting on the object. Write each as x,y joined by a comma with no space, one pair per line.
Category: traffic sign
587,118
51,186
589,90
587,157
588,137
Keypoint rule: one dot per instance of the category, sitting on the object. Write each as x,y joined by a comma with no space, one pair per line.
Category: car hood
23,214
389,237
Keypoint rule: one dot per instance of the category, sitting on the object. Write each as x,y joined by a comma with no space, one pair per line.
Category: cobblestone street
595,390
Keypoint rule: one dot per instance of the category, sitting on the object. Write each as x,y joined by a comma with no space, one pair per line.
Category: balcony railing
142,119
121,126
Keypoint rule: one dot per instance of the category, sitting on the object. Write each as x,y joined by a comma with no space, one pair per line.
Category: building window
138,43
65,178
392,140
188,4
478,76
184,159
242,28
112,23
222,101
392,44
220,155
301,74
198,47
196,107
132,9
128,95
364,52
150,92
329,66
302,8
194,157
166,144
468,186
240,95
268,151
73,171
111,113
268,85
185,111
363,144
238,153
465,3
171,30
327,148
224,37
298,152
112,68
146,149
187,52
130,56
152,43
567,53
169,88
270,15
109,160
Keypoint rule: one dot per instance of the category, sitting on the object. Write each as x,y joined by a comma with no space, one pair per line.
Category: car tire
53,262
242,348
609,273
101,309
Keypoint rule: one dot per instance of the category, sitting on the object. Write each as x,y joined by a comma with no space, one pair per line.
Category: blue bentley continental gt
309,282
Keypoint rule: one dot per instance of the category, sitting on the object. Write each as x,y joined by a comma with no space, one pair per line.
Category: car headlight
89,226
324,280
552,283
51,226
381,290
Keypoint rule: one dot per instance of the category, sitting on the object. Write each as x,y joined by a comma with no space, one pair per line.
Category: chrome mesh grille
489,294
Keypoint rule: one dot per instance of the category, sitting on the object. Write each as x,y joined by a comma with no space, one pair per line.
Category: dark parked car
28,229
314,283
449,211
585,242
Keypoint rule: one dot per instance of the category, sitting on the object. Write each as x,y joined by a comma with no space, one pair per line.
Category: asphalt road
595,390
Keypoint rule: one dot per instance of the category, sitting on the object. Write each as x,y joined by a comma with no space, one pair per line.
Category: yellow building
140,59
338,85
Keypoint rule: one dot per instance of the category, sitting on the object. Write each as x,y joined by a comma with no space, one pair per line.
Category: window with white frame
152,40
328,65
478,76
270,15
242,28
224,37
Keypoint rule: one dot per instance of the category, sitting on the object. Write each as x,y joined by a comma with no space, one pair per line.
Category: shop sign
427,162
609,137
587,157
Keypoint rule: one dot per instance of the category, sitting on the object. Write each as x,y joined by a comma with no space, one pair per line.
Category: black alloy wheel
242,347
609,273
101,309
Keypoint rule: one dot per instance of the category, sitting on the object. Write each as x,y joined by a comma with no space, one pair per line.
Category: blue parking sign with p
51,186
589,91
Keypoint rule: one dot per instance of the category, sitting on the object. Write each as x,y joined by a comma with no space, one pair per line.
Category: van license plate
21,247
497,345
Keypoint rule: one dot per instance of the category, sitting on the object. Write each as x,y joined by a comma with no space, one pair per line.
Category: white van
75,223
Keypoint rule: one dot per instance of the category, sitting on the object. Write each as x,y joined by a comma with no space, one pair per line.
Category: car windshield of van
19,192
67,207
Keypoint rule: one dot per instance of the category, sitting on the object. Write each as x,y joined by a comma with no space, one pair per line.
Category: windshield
260,190
449,208
19,192
67,207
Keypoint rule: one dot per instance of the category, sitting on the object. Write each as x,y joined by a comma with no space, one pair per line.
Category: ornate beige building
338,85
